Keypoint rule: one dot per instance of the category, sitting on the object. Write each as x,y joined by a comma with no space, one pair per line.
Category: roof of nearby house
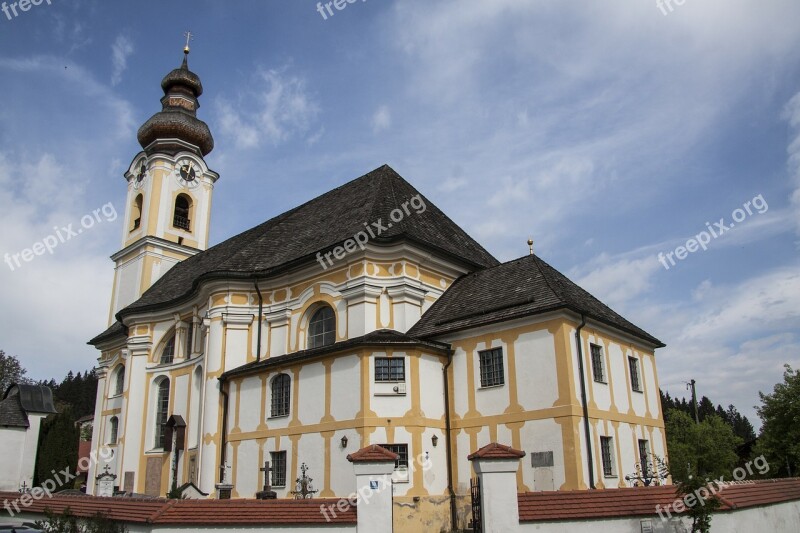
642,501
193,512
372,454
496,451
296,236
378,338
21,399
518,288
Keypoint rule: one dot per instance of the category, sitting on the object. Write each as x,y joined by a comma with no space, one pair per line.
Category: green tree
11,371
780,425
58,447
707,449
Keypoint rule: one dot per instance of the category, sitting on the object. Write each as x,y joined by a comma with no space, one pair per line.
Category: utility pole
694,400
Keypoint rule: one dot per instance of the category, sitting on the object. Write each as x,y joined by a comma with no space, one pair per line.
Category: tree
11,372
780,425
58,447
707,449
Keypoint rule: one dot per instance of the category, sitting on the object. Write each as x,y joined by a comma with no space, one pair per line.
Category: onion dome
177,124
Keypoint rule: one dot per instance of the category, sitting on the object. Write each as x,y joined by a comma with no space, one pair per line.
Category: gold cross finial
189,37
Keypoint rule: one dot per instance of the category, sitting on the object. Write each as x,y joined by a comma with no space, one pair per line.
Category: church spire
176,127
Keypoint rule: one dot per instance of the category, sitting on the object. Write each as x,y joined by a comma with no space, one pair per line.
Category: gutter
586,428
223,444
260,311
453,511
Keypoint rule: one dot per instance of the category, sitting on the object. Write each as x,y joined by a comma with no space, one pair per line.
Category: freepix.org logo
11,10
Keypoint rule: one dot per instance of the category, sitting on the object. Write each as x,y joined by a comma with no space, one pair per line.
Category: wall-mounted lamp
344,441
435,440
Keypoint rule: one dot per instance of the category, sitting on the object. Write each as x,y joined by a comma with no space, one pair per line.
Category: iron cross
267,469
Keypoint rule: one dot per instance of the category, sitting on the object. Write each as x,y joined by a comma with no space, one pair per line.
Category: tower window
162,412
136,213
322,328
119,384
182,206
189,340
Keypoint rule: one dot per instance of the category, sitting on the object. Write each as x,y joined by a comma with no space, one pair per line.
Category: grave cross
266,469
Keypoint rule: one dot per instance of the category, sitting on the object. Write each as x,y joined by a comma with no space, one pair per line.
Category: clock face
141,176
187,173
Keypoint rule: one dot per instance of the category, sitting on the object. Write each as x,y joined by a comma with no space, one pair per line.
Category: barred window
281,388
278,460
597,363
636,384
162,412
491,367
322,328
390,369
644,453
402,451
114,430
168,353
606,447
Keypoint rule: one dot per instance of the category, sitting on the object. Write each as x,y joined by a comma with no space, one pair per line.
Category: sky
610,132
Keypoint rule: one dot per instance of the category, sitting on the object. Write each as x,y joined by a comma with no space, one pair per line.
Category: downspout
586,428
224,444
453,510
260,311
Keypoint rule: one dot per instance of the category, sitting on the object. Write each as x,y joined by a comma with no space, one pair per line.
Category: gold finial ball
530,242
185,49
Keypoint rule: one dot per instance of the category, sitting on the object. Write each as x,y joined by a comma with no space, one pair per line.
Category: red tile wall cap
496,451
372,454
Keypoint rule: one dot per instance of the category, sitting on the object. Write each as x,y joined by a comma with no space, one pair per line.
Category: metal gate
475,491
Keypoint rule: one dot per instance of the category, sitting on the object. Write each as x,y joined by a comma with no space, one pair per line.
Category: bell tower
169,189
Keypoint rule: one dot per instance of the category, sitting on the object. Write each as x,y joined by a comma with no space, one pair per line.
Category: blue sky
608,131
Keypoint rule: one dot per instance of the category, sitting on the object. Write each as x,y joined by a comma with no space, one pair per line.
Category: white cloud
274,107
792,116
381,119
121,50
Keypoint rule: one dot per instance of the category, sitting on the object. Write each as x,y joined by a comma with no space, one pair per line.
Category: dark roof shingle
522,287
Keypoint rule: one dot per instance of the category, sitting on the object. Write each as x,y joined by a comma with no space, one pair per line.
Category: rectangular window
606,448
390,369
597,363
278,460
644,455
402,451
491,367
189,341
636,384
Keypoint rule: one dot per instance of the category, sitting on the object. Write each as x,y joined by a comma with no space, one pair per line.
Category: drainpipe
453,511
260,311
224,443
583,401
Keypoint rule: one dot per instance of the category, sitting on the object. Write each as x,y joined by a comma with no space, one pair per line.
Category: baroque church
364,316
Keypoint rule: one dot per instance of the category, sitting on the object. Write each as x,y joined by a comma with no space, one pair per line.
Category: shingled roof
519,288
319,225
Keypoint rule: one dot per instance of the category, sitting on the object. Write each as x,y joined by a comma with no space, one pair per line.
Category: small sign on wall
373,485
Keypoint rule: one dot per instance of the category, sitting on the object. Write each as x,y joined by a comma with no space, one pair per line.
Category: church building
364,316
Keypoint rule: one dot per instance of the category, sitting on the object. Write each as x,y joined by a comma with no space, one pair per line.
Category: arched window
119,381
114,429
136,213
162,412
182,206
168,353
322,328
281,393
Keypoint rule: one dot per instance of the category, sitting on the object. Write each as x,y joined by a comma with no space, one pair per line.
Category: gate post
496,466
373,467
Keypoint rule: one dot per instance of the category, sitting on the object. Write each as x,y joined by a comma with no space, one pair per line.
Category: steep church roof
525,286
319,225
